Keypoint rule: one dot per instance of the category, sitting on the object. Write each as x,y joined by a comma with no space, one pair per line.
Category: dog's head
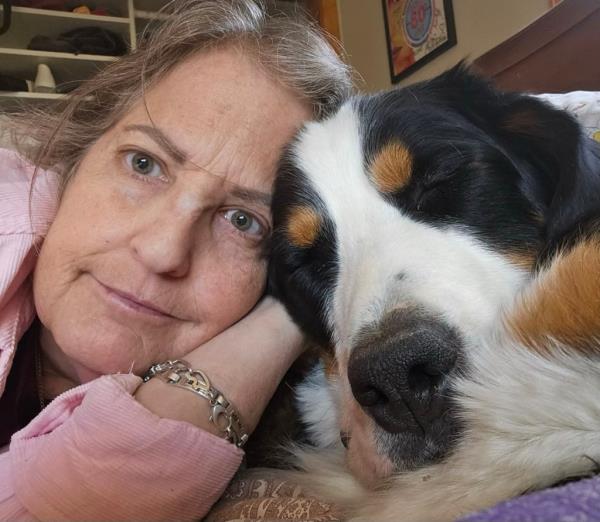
405,225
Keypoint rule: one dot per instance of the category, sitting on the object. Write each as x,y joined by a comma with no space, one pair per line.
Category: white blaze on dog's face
403,231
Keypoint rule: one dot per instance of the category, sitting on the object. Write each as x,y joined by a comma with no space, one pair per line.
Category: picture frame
417,31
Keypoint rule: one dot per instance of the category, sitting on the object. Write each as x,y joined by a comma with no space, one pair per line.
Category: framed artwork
416,32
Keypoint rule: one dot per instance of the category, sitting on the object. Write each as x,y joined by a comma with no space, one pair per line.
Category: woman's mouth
134,303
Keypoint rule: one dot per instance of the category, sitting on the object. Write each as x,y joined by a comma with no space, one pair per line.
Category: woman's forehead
225,84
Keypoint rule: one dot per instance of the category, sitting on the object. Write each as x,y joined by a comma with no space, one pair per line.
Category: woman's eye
244,222
143,164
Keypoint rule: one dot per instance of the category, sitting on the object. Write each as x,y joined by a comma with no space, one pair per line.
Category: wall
480,25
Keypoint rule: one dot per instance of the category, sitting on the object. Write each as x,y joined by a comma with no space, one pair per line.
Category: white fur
318,409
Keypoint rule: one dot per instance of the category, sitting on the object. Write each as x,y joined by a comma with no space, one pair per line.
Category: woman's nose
165,245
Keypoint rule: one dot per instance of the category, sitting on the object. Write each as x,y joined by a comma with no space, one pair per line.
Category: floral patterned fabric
261,494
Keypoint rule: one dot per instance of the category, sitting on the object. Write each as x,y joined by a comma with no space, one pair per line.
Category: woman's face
157,244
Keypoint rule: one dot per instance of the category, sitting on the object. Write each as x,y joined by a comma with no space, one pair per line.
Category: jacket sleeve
95,453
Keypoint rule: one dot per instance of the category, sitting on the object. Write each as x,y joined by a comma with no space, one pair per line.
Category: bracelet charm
223,415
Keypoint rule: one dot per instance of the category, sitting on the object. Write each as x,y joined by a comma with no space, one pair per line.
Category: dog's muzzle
400,371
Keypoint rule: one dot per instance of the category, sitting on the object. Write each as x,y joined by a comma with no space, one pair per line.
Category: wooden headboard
559,52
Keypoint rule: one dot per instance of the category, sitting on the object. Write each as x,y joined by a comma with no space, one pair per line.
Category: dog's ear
560,165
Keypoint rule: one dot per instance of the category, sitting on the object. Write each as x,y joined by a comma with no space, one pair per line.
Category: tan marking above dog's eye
303,226
391,168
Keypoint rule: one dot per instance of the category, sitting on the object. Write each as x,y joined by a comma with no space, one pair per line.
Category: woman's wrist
222,413
245,363
248,360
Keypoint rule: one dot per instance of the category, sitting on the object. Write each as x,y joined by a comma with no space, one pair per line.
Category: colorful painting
417,31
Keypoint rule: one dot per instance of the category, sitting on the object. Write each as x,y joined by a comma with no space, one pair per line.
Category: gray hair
291,48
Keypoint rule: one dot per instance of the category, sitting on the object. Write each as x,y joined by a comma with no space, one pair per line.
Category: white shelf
49,55
32,95
14,100
41,96
66,67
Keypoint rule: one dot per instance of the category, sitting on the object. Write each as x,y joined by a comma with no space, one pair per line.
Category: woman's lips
134,303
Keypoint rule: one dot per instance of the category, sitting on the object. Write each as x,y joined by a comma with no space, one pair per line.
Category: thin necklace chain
39,376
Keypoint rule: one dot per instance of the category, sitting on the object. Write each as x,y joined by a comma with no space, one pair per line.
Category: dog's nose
400,370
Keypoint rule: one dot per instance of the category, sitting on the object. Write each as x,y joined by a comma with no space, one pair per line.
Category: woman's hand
245,363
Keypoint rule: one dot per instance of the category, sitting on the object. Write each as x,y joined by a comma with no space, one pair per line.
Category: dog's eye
440,174
433,184
430,186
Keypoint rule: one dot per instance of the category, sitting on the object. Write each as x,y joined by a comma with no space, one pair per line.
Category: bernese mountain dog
441,242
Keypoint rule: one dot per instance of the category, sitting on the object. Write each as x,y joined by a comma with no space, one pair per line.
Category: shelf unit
127,19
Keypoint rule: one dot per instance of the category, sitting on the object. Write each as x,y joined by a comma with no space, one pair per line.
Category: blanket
261,494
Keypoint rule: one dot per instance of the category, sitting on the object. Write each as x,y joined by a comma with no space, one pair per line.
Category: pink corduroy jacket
94,453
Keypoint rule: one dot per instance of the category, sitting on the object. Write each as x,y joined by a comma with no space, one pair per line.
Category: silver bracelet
223,415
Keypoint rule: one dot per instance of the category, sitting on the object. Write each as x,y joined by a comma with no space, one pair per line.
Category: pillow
584,105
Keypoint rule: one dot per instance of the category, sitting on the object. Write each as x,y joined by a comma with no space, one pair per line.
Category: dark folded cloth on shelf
10,83
84,40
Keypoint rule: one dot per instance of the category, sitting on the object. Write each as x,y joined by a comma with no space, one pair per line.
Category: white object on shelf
44,81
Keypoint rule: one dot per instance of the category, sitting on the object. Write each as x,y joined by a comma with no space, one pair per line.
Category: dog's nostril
421,378
371,396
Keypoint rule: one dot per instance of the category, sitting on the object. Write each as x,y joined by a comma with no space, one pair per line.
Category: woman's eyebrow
252,196
161,140
245,194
